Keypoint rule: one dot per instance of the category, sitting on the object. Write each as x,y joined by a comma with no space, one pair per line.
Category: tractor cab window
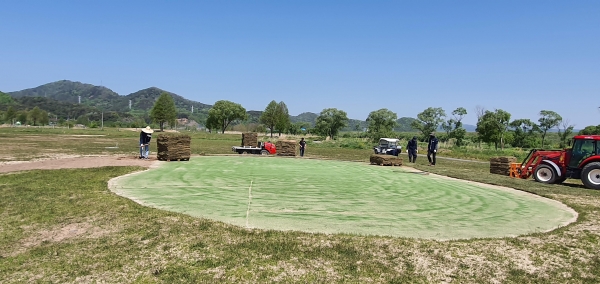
582,149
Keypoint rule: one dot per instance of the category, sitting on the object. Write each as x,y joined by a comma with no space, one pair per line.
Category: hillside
144,100
68,91
6,99
104,98
305,117
55,108
61,98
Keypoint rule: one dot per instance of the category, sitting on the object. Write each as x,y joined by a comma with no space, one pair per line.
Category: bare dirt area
75,162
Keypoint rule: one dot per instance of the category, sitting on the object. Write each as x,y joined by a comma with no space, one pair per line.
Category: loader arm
535,158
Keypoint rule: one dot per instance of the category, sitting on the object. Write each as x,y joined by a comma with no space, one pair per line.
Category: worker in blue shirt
412,150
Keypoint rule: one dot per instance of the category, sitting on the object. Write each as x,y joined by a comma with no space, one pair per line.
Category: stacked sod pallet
385,160
173,147
286,147
501,165
250,139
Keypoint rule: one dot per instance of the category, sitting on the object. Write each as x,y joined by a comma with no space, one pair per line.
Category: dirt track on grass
76,163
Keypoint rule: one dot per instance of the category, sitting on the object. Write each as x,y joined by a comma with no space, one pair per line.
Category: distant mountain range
104,98
70,99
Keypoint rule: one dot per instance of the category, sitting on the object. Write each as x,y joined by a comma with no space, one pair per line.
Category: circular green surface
339,197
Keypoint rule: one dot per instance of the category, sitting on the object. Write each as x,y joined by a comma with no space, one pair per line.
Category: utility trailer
266,148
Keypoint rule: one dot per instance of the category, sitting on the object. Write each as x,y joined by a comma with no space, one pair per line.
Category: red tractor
555,166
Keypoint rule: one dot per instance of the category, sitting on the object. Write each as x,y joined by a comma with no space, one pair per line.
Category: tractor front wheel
545,174
590,175
264,152
561,179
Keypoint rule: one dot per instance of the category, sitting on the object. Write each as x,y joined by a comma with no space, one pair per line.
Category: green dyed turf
339,197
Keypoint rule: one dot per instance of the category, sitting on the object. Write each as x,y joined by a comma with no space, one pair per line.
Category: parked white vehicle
388,146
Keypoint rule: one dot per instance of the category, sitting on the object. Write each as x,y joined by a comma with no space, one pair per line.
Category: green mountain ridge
104,98
67,99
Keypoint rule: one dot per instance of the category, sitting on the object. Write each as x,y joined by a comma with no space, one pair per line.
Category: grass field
66,226
339,197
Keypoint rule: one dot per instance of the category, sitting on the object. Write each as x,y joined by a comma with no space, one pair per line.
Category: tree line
493,127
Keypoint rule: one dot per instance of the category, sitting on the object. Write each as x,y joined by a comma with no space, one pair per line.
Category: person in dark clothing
412,150
145,137
302,147
432,148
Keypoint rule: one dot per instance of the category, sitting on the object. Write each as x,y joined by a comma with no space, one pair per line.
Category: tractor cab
584,148
388,146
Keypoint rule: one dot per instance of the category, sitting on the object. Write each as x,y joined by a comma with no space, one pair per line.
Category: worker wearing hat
432,148
145,137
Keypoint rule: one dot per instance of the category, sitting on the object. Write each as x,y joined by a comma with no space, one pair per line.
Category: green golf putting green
339,197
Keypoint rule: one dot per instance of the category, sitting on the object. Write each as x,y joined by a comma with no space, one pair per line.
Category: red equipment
266,148
555,166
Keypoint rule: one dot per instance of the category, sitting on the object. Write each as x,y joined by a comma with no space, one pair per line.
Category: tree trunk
543,138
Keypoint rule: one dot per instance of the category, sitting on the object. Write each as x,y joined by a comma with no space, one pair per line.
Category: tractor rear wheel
264,152
590,175
544,174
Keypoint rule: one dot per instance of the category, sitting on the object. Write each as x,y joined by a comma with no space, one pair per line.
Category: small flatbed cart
265,149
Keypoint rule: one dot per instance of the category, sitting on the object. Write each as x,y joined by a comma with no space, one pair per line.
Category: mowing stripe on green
339,197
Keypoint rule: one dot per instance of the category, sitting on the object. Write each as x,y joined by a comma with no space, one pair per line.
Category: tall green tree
459,131
164,110
447,126
548,120
565,131
479,112
492,126
224,113
294,128
429,120
381,122
283,118
524,133
22,116
10,114
276,116
36,115
330,121
590,130
269,116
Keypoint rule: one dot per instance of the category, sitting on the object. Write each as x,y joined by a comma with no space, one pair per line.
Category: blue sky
357,56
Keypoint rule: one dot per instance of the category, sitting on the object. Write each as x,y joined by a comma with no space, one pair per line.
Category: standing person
412,150
432,148
302,147
145,137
